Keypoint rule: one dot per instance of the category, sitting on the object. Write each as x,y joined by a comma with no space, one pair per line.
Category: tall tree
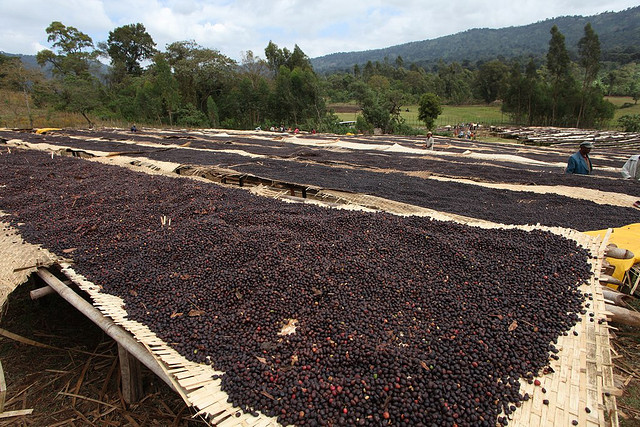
298,59
489,80
200,72
589,60
558,65
356,71
74,50
164,88
277,57
514,96
456,82
531,87
76,89
254,67
127,46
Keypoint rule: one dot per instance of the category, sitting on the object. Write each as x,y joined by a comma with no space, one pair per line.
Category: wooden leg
3,389
130,370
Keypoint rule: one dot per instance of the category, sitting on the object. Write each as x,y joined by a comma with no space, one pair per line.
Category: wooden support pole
114,331
41,292
131,374
623,316
3,389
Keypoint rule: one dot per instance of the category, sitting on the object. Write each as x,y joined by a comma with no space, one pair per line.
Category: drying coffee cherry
389,319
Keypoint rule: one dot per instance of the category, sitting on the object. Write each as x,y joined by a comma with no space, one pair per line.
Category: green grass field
626,105
457,114
490,114
451,115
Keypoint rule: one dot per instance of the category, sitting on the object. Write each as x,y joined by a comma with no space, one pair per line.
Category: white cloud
318,27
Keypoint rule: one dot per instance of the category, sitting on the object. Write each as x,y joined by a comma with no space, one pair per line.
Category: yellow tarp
627,237
45,130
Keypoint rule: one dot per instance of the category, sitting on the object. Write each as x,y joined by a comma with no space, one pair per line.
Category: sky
234,27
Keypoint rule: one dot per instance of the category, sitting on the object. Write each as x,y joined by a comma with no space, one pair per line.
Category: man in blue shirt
580,162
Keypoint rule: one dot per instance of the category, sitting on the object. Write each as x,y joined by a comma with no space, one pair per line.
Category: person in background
580,163
429,142
630,170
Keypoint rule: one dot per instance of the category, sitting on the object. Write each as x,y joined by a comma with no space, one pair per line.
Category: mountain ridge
619,34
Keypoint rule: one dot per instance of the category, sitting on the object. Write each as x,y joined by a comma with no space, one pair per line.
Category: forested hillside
560,81
619,35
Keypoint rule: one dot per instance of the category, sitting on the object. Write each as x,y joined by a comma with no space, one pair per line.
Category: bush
229,123
363,126
405,129
190,116
630,122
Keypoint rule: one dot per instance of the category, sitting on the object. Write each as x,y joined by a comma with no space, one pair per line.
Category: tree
368,70
212,112
15,77
589,60
190,116
525,97
128,46
277,57
71,45
417,82
429,109
252,101
635,90
199,72
489,80
166,87
82,95
298,59
75,88
254,67
455,82
558,65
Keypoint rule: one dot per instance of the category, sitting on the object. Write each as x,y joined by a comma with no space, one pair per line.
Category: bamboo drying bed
583,376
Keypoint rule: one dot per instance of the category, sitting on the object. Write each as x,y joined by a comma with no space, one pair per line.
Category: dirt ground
75,381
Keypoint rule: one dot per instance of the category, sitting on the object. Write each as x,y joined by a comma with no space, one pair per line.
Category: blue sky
318,27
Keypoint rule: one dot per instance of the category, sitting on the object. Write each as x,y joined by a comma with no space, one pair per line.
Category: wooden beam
114,331
3,389
131,374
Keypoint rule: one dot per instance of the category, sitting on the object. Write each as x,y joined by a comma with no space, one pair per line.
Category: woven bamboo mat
582,377
18,259
192,380
581,387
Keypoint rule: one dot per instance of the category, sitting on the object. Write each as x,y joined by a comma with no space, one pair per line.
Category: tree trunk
26,101
580,111
87,119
